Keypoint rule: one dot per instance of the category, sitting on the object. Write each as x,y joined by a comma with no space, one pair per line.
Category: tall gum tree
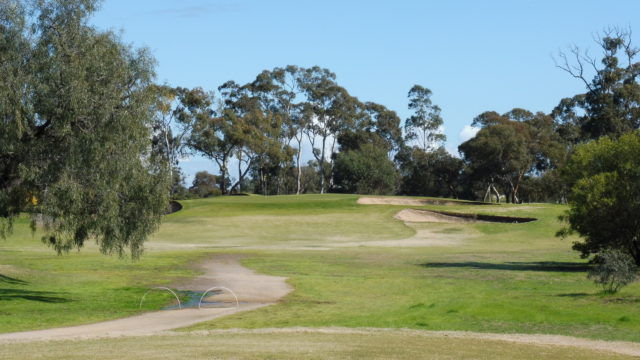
218,135
611,104
424,126
329,108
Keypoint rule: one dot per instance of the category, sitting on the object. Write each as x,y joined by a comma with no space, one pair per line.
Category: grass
278,221
39,289
509,278
384,345
413,289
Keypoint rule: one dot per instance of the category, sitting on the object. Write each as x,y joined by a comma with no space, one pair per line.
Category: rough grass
39,289
387,345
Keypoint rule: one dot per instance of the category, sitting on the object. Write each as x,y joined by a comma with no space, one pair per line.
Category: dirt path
253,291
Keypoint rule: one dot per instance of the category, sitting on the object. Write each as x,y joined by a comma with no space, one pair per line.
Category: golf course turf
351,265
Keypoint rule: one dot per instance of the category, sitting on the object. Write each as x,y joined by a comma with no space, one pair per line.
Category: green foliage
309,179
510,146
435,173
547,187
604,178
613,269
76,125
424,125
40,291
498,153
366,170
204,185
330,110
610,104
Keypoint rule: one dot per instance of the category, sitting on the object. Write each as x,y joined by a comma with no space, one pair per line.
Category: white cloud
467,133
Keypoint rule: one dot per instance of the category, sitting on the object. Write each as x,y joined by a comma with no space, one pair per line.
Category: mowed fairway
351,266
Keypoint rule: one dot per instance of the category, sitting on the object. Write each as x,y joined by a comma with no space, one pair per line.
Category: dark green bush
613,269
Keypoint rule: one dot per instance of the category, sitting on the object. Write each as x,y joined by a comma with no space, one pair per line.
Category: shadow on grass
10,280
41,296
574,295
551,266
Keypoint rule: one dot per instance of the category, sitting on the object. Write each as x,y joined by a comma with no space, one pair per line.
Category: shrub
613,270
604,178
366,170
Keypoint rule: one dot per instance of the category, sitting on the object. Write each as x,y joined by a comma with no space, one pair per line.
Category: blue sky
474,55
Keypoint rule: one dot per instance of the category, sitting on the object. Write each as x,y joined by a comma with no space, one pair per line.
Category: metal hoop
161,288
222,288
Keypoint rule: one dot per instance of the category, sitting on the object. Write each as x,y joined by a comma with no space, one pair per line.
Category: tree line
364,147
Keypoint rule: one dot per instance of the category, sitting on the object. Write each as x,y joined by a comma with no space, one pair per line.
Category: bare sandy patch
414,215
226,271
404,201
392,201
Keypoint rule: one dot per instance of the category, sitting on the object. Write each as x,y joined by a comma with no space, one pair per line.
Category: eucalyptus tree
510,146
260,126
329,109
386,124
611,102
176,112
75,129
497,153
244,107
220,134
279,94
424,126
290,103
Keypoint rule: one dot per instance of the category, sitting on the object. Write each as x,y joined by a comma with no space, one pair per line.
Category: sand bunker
415,215
369,200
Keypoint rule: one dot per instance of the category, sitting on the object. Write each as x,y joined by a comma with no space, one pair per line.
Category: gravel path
253,291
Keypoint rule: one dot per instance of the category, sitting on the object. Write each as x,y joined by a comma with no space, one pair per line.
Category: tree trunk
333,144
491,190
496,193
239,175
487,193
223,173
299,175
321,164
517,187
